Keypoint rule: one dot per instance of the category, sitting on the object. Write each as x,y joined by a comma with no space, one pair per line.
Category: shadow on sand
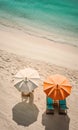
25,113
55,122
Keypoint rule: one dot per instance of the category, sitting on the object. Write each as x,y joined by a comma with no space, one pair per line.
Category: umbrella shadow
25,113
55,122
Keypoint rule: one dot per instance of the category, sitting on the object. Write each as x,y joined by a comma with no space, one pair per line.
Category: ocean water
56,19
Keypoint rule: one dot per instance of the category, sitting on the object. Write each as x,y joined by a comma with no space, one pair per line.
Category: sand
34,47
19,50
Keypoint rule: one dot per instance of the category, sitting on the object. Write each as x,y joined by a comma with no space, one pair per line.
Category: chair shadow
25,113
55,122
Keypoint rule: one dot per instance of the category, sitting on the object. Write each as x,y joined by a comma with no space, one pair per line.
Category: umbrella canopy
26,80
57,87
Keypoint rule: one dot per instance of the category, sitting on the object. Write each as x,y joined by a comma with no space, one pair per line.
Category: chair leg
63,112
49,111
62,107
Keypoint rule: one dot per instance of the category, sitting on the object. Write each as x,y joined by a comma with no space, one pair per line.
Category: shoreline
23,44
39,31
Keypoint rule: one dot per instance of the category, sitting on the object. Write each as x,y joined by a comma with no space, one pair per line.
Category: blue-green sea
58,18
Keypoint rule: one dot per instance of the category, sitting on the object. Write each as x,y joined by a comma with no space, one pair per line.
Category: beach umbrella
26,80
57,87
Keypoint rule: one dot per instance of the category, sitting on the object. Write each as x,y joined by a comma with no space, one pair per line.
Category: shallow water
53,16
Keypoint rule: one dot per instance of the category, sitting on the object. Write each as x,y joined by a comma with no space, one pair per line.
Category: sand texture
30,115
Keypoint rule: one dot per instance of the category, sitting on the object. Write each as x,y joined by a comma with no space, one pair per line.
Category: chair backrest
49,100
62,102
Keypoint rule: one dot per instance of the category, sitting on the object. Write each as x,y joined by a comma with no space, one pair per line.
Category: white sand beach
21,43
19,50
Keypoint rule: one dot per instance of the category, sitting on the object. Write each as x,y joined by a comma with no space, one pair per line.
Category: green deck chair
62,107
49,103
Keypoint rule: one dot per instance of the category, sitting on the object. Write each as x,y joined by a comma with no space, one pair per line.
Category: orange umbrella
57,87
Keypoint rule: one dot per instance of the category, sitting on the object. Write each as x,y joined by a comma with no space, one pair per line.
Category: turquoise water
54,16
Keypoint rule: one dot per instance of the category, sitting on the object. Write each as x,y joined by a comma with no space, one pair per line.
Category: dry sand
18,115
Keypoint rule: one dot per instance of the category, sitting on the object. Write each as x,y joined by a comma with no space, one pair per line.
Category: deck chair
62,107
24,96
49,103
